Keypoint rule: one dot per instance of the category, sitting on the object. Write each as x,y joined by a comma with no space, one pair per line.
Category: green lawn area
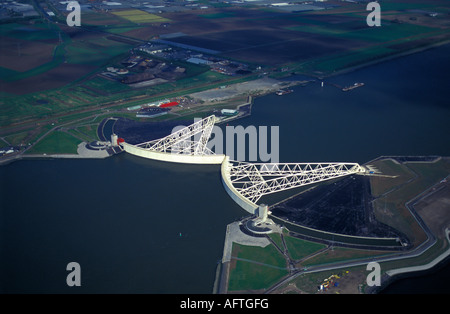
301,248
257,268
56,143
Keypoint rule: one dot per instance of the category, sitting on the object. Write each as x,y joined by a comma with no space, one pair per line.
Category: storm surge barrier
186,145
244,182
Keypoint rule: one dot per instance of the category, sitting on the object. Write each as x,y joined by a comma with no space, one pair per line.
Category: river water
141,226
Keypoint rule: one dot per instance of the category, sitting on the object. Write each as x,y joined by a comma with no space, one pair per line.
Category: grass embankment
257,269
393,193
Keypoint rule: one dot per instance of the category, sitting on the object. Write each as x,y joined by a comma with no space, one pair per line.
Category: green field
299,249
40,33
139,16
268,266
367,44
56,143
257,268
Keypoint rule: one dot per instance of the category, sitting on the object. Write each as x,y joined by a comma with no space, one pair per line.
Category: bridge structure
186,145
245,182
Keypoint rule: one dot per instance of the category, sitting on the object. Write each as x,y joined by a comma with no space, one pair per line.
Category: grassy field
268,267
414,178
300,248
371,43
56,143
95,51
138,16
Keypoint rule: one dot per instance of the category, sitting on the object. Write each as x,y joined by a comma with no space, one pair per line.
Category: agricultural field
138,16
319,42
27,50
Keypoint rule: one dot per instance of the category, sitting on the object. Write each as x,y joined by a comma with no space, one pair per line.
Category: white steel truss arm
253,181
180,142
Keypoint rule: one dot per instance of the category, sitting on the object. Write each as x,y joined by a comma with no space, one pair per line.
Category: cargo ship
356,85
282,92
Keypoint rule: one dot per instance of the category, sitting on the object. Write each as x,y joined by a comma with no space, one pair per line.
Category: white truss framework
253,181
180,142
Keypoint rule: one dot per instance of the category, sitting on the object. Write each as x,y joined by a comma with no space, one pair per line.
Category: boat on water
356,85
282,92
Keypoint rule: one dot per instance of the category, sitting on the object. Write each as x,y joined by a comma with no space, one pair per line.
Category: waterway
402,109
140,226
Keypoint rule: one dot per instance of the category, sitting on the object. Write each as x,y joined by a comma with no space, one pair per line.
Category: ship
282,92
356,85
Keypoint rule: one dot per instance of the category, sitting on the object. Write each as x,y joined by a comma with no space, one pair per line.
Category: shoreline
251,96
387,280
377,61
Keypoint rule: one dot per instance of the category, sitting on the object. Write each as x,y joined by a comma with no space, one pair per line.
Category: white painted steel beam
180,142
252,181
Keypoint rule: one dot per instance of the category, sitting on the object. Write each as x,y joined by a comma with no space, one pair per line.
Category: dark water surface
403,109
133,225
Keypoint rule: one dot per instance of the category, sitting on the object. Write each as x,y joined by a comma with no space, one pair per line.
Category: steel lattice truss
180,142
253,181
